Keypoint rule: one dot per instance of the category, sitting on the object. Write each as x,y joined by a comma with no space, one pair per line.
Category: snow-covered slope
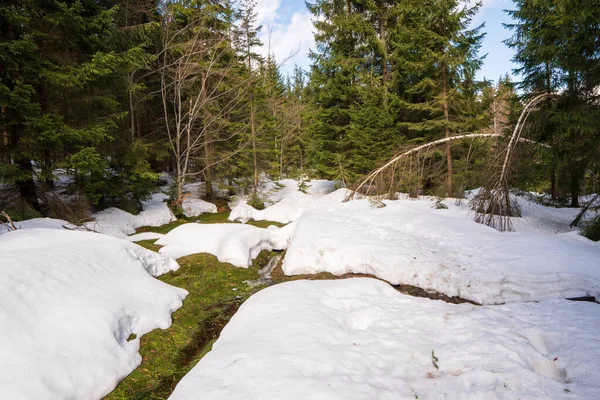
408,242
68,304
360,339
233,243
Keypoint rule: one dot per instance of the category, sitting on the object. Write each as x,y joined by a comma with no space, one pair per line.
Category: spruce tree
437,57
556,45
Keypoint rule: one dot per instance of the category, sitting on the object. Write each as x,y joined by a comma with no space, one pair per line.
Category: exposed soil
278,276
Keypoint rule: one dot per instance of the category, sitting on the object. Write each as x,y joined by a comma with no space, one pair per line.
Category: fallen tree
492,204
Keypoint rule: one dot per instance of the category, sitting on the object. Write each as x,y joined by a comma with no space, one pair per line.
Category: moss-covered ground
216,290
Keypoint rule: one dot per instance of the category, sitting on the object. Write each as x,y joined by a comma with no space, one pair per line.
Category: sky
287,30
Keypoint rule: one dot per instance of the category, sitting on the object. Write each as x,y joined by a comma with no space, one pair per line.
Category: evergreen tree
63,69
246,41
436,58
555,43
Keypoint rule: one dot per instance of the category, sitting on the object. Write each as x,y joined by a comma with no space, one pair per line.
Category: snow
536,217
195,207
118,223
144,236
46,223
275,191
360,339
408,242
111,221
156,212
68,304
272,192
236,244
288,209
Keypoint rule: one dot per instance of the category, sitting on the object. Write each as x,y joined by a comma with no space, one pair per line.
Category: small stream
265,272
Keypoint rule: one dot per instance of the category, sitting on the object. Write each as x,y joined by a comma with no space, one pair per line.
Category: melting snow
68,304
361,339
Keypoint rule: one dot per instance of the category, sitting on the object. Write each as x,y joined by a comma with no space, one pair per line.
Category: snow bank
68,304
289,209
236,244
45,223
195,207
118,223
443,250
360,339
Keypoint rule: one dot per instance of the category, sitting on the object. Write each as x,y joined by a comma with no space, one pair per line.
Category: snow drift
360,339
408,242
69,302
236,244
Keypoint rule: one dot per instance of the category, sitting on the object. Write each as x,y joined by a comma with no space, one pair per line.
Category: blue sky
290,27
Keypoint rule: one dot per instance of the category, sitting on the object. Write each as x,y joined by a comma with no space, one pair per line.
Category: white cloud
267,11
290,41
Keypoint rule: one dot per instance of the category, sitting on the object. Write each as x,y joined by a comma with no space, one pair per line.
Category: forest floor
216,291
331,336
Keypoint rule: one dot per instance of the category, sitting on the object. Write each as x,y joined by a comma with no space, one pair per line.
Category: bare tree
195,65
492,204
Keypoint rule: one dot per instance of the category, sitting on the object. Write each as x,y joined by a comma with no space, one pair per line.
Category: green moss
215,292
207,218
164,228
213,218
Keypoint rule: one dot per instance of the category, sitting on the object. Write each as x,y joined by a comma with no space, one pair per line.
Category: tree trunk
447,131
254,155
48,178
5,153
27,186
208,172
131,113
382,38
553,184
574,189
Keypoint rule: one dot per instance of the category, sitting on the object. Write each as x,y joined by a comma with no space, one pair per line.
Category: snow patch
408,242
118,223
144,236
69,302
45,223
361,339
289,209
195,207
236,244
